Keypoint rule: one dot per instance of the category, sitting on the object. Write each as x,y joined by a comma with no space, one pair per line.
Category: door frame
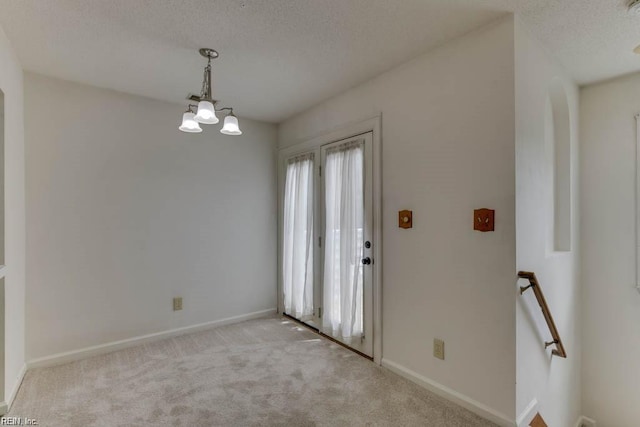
373,125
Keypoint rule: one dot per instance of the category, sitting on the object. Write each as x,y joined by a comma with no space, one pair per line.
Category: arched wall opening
558,144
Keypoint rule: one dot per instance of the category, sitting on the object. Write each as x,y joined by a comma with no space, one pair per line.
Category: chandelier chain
206,84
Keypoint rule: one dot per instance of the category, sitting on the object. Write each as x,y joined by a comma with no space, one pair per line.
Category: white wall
1,179
12,85
448,147
124,212
553,381
611,304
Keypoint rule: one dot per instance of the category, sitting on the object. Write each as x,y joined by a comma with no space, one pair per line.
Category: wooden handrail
533,284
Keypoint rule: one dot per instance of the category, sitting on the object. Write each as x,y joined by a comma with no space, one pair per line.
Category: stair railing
535,285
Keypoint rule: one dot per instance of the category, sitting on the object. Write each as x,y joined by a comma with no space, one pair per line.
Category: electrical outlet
438,349
177,304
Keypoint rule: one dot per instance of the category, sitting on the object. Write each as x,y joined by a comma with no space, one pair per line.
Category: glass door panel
347,296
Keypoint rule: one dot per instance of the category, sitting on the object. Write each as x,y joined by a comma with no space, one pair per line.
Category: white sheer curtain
297,266
343,271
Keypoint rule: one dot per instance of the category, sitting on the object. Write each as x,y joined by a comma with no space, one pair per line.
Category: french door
327,241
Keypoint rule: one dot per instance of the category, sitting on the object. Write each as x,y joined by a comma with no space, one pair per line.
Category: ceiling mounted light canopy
206,108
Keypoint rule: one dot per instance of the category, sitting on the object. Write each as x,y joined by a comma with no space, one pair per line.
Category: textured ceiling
279,57
593,39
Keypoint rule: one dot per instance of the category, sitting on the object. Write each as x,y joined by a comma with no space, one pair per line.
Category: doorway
328,240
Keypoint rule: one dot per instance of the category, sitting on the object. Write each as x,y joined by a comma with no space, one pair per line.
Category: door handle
366,261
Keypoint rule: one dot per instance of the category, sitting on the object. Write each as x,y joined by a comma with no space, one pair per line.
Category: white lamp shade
206,113
189,123
231,126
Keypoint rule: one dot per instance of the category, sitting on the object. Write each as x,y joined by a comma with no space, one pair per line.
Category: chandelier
204,112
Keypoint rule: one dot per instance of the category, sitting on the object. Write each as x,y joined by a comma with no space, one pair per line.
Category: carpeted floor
268,372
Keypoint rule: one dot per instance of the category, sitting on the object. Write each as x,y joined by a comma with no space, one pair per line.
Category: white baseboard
70,356
585,422
458,398
6,405
527,415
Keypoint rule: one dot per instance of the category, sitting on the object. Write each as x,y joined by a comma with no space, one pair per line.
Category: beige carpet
267,372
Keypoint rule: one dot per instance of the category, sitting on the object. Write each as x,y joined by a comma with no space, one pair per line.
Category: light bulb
206,113
189,123
231,125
